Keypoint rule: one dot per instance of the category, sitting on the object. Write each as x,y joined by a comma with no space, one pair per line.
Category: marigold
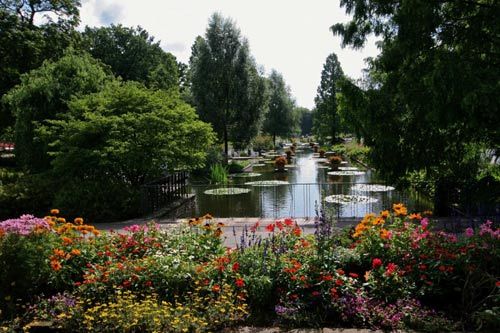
415,216
55,265
76,252
54,211
78,220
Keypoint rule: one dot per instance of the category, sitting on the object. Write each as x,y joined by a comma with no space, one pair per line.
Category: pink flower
469,232
424,223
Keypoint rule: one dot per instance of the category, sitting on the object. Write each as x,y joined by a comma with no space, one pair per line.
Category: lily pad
227,191
371,188
345,199
344,168
247,174
346,173
268,183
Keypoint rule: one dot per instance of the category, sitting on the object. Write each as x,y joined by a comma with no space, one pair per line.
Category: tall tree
133,55
279,119
26,10
306,120
227,89
431,96
326,118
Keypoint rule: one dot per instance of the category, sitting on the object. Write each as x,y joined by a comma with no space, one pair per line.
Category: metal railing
299,200
164,191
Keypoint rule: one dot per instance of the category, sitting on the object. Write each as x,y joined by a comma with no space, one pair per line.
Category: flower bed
392,271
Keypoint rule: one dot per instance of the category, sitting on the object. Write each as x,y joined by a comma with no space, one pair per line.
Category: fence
163,192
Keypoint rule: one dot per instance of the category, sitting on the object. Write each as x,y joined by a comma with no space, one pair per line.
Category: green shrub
218,174
235,167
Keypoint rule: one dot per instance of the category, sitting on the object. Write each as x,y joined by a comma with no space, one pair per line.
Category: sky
290,36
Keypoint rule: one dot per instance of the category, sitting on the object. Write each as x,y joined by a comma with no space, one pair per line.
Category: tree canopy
430,101
227,88
133,54
44,94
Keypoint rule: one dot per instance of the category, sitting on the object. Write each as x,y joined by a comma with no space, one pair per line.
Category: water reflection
309,185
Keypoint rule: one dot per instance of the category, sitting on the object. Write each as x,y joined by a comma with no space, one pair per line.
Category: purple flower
23,225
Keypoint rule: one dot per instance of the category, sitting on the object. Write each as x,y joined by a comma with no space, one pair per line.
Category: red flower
327,277
353,275
297,231
391,267
279,225
148,283
340,271
339,282
288,222
376,263
497,284
126,283
333,293
216,288
315,293
236,267
270,227
422,267
240,283
442,268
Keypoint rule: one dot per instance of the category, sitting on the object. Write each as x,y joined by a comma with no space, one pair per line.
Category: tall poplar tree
227,89
279,119
326,117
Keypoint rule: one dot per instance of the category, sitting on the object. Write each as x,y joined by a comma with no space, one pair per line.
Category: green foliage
218,174
123,136
437,74
262,142
280,119
236,167
66,10
306,120
24,46
326,118
227,88
133,55
44,94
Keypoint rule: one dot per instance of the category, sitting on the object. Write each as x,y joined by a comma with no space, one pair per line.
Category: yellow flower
384,214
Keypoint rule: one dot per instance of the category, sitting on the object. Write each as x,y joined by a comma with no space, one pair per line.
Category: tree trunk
274,140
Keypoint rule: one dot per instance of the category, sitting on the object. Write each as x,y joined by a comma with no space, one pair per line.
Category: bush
262,142
235,167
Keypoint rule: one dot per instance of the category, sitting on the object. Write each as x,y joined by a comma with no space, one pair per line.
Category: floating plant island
344,168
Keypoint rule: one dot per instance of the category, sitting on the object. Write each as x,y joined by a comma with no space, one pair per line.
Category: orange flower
2,232
76,252
378,221
240,283
415,216
59,253
385,234
61,220
208,217
216,288
384,214
78,220
67,241
54,211
399,209
297,231
55,264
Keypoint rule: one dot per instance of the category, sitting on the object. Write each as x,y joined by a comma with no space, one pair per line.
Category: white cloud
292,37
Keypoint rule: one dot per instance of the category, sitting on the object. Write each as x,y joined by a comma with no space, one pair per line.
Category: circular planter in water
346,173
227,191
247,174
371,188
258,165
346,199
268,183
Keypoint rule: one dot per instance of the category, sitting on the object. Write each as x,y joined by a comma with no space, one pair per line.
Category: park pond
308,184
